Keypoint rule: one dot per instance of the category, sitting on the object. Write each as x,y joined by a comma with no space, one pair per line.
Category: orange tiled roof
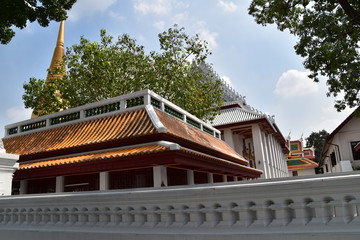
119,126
185,131
246,168
94,156
135,151
114,127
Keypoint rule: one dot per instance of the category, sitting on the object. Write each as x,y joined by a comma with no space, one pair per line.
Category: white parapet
321,207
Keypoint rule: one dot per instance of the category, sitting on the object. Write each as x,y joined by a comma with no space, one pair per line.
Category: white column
268,155
160,176
282,162
237,143
224,178
190,177
60,182
147,99
23,186
210,178
266,160
274,156
279,155
104,181
228,136
259,150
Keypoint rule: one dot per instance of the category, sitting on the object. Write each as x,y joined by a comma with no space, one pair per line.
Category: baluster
55,216
153,217
319,209
64,217
139,216
212,215
300,215
30,216
128,217
15,216
197,216
167,217
116,217
22,216
229,215
351,211
182,216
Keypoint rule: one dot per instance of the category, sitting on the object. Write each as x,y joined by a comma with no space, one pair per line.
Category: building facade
252,134
300,160
131,141
341,152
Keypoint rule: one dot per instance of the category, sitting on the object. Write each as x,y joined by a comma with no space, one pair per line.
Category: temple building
252,134
131,141
341,152
300,160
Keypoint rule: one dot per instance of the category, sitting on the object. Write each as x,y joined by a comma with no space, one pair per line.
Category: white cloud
227,6
294,83
116,16
209,37
329,118
178,18
227,80
160,25
88,7
158,7
16,114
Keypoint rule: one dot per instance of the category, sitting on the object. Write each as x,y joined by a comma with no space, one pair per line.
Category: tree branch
351,12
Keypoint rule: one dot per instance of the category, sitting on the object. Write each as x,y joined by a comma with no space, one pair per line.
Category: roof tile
94,156
118,126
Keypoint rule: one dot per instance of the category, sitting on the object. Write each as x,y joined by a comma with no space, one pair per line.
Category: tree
317,140
328,34
18,12
97,71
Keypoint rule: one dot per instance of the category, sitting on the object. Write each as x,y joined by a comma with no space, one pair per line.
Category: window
294,147
356,154
295,173
333,159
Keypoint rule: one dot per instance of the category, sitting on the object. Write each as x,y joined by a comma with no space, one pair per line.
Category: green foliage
97,71
317,140
18,12
328,34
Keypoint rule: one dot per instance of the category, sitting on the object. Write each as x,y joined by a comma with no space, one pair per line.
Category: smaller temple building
341,152
252,134
131,141
301,160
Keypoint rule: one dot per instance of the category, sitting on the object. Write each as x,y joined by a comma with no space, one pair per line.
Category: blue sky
259,62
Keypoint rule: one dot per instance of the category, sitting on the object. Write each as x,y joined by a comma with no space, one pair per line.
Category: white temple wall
8,166
303,208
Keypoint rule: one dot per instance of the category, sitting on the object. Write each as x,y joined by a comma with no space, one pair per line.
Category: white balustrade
303,205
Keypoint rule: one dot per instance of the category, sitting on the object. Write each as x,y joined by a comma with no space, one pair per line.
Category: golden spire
56,59
58,53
